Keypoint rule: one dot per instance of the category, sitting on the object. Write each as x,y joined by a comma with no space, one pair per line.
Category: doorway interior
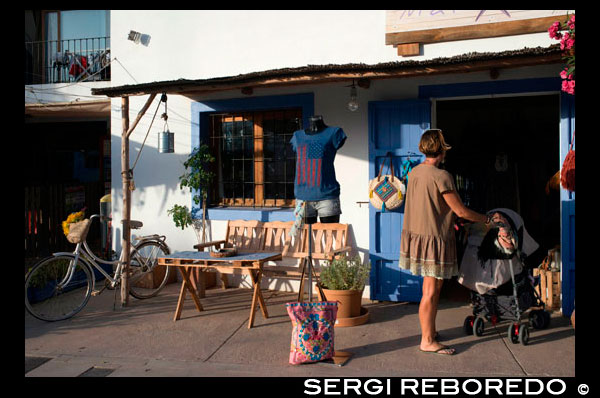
504,152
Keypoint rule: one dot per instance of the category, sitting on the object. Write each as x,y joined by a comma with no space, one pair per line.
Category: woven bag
567,173
78,231
386,192
313,331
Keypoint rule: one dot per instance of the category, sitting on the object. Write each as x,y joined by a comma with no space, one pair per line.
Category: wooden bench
329,241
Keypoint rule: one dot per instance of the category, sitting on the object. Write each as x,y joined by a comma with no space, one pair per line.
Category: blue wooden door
395,127
567,126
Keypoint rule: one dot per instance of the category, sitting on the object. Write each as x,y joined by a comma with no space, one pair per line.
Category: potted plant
198,178
343,280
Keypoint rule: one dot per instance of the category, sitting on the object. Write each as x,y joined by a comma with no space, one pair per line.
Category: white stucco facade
195,44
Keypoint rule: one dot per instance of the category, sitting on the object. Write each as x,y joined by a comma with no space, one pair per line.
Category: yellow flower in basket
73,217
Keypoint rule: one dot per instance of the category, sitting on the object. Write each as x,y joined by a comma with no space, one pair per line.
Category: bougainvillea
565,32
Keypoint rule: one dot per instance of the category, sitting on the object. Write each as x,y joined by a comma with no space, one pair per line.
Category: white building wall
204,44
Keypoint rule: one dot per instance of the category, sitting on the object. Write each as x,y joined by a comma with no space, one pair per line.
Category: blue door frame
387,281
567,209
395,128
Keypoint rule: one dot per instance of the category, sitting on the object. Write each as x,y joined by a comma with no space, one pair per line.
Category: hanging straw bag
386,192
567,173
313,331
78,231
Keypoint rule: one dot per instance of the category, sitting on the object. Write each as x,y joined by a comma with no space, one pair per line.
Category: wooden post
126,178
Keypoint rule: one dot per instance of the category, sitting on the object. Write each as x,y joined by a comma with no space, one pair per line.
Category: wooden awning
316,74
89,109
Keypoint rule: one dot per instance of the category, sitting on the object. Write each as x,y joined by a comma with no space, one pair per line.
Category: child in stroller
493,268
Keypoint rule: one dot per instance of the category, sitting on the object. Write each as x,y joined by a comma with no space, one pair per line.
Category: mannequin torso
316,125
315,147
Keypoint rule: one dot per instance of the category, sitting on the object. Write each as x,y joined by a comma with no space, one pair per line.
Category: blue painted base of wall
229,213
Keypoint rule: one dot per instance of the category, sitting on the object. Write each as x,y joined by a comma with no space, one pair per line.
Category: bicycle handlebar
101,217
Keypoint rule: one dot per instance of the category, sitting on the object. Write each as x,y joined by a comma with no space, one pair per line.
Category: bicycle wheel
57,290
146,277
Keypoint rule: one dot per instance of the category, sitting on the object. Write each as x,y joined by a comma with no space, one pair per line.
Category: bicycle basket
78,231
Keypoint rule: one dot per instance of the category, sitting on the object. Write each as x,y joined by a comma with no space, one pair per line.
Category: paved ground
143,340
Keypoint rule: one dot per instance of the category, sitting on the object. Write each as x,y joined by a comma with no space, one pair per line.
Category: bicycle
60,285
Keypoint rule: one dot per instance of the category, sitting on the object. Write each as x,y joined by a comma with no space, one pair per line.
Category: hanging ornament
166,139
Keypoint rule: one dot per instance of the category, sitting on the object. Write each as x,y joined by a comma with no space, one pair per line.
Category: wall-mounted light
166,139
353,103
138,38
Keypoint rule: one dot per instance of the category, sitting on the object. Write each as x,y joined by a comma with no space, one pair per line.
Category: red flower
554,31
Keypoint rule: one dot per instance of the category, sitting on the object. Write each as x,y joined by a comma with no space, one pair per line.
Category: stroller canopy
482,273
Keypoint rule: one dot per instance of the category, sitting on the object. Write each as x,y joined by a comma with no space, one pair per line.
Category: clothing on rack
78,65
66,63
299,213
315,155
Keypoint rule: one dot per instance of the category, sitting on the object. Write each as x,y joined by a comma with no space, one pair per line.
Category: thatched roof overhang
316,74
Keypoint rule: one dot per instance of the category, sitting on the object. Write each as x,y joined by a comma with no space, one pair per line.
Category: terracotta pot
349,301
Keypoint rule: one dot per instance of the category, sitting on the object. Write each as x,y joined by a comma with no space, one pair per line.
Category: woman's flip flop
443,350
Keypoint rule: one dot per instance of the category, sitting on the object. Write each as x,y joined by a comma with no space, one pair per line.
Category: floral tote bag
312,333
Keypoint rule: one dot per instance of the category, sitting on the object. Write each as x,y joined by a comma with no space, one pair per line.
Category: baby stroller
492,267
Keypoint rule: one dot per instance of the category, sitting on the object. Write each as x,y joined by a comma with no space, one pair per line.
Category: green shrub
345,273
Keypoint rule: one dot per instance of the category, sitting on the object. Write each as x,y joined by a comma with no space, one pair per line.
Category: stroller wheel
524,334
513,333
468,325
478,327
536,318
546,316
539,319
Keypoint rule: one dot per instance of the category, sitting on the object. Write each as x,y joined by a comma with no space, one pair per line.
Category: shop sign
429,26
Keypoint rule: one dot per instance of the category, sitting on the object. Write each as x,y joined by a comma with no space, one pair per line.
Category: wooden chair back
245,235
327,238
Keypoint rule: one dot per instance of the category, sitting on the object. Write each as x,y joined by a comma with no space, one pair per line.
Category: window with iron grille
255,161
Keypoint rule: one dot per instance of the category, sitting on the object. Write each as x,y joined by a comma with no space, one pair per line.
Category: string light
353,103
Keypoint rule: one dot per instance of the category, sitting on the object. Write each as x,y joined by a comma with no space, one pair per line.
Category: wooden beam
465,67
126,178
407,50
457,64
140,114
478,31
363,83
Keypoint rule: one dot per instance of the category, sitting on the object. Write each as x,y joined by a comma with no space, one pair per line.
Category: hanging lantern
166,139
166,142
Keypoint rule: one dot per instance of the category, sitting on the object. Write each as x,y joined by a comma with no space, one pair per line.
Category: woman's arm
457,206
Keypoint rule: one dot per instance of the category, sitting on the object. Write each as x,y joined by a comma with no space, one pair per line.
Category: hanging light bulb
166,139
353,103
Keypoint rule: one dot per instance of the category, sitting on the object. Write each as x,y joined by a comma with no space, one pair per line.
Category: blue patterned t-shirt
315,153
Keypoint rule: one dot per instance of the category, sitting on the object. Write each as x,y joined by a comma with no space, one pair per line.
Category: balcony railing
64,61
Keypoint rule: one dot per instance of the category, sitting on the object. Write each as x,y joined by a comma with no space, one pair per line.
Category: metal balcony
67,61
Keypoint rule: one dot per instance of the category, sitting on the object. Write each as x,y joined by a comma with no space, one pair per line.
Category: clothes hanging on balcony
78,65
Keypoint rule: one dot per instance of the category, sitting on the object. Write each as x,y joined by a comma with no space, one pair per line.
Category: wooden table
242,263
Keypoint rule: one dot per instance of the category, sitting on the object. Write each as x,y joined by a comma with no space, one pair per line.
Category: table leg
186,285
198,278
181,297
224,281
301,289
257,297
261,300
